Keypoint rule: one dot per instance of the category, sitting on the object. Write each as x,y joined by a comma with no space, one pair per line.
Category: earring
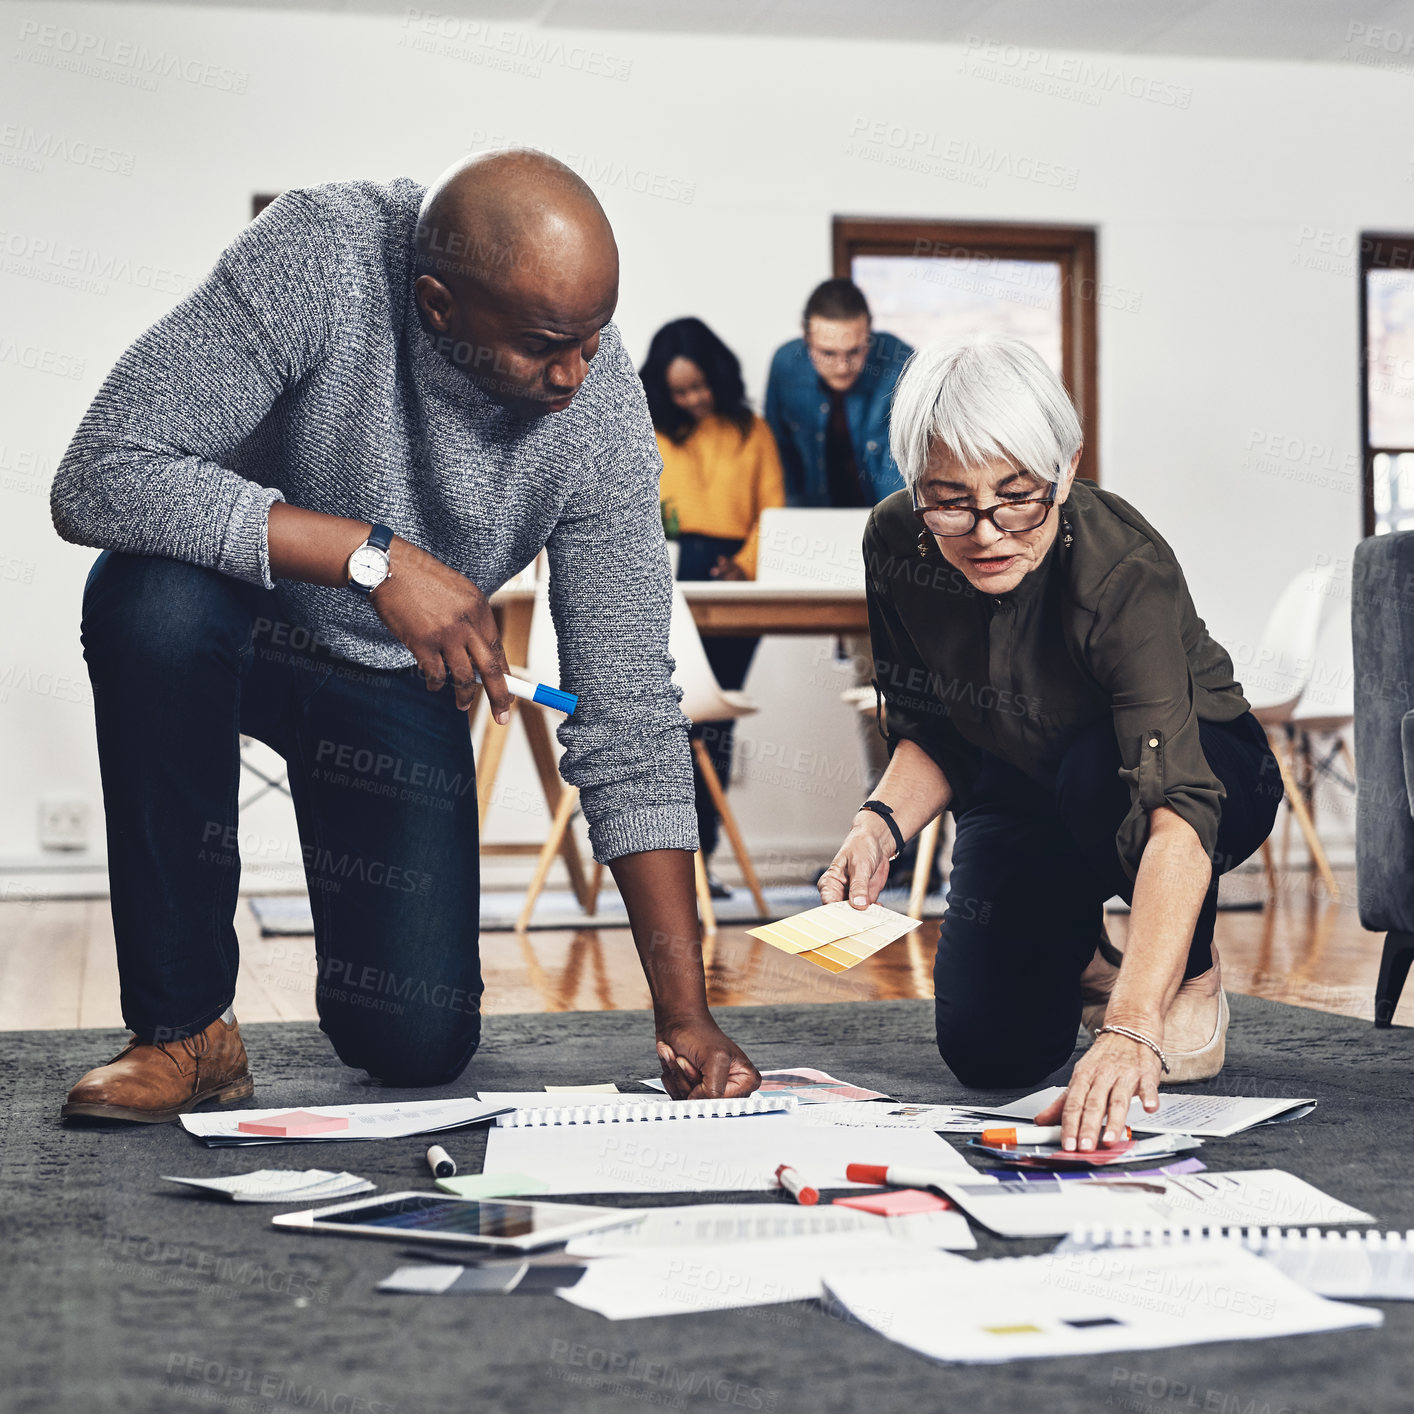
924,543
1067,537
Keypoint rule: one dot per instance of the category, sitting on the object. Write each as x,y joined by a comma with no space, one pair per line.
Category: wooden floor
57,967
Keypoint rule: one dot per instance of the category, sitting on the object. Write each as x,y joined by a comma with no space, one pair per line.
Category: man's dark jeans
183,662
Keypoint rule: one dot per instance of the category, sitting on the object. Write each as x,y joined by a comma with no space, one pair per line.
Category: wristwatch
369,564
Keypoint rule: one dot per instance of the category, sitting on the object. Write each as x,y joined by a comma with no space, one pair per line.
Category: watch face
368,566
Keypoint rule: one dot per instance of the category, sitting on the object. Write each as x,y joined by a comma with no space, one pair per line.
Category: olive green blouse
1103,626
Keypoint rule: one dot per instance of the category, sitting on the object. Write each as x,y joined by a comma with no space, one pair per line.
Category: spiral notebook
1364,1265
646,1110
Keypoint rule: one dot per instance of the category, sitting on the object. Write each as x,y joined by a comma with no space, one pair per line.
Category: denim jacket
798,406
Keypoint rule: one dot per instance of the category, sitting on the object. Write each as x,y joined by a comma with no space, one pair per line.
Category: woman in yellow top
720,471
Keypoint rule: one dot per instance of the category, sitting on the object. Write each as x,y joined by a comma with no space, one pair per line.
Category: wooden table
721,609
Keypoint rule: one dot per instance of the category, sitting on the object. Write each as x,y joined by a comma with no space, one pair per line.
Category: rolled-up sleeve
1136,653
626,745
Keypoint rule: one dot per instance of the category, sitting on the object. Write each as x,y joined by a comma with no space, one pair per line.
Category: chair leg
1394,969
537,735
719,799
704,894
1271,868
923,865
596,882
564,813
1297,805
488,762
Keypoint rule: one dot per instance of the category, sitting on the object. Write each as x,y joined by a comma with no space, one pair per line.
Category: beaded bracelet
1141,1038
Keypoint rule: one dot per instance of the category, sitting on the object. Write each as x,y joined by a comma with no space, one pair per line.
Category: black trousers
1031,870
183,661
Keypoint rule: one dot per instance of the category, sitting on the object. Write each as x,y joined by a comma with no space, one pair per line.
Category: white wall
1228,221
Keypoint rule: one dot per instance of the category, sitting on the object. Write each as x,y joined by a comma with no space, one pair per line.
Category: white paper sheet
1242,1197
1208,1116
682,1281
1366,1266
710,1155
722,1224
1084,1303
946,1119
393,1120
280,1185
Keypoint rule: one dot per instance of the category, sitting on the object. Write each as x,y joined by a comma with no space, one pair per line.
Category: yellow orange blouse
719,484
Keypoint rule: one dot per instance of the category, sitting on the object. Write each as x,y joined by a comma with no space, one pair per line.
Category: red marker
899,1175
797,1187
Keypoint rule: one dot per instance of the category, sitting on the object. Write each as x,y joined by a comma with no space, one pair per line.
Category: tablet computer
438,1217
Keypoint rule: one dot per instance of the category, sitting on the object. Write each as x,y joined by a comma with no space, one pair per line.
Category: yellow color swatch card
836,936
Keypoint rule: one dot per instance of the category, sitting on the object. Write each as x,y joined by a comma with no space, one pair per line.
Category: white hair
983,401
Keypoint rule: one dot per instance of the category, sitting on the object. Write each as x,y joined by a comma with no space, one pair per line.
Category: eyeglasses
1010,517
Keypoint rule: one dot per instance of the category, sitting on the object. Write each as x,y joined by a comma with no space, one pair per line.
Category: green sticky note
491,1185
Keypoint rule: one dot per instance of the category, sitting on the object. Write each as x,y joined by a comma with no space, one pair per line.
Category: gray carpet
125,1293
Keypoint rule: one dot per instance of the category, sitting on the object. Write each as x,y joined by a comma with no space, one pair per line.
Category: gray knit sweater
298,370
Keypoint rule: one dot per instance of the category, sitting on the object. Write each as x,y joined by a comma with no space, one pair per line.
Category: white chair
704,701
1280,675
1326,711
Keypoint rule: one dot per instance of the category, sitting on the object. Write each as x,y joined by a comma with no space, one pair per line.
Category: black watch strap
886,814
380,537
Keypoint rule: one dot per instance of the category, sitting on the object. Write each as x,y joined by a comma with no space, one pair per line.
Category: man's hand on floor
700,1062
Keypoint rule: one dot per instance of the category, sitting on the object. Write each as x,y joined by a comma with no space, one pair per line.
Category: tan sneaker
152,1082
1195,1029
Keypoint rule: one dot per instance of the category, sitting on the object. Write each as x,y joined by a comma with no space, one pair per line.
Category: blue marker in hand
564,702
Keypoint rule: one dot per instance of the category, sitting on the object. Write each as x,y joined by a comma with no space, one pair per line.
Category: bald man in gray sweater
307,479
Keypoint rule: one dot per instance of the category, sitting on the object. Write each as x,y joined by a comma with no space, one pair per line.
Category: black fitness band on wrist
886,814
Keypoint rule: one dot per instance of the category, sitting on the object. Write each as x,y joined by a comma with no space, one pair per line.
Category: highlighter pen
442,1164
797,1187
1028,1134
564,702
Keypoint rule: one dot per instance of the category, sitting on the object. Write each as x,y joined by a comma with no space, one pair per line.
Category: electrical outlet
63,822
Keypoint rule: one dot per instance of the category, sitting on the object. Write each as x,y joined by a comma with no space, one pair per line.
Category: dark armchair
1382,608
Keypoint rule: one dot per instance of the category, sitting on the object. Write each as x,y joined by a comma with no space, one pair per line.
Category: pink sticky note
894,1205
292,1124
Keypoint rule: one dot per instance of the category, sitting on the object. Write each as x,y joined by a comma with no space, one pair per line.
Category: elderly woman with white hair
1047,679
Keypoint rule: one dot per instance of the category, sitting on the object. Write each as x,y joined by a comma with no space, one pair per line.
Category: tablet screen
454,1216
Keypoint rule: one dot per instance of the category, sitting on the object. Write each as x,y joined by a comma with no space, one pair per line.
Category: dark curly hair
691,339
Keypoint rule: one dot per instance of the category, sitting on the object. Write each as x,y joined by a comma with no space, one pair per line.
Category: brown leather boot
153,1082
